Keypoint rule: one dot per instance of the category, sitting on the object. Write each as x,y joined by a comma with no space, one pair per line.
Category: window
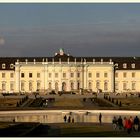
97,75
105,75
72,85
38,75
30,75
133,65
22,75
116,74
124,65
3,66
56,75
30,86
90,85
64,75
133,74
50,85
11,86
38,85
71,74
11,75
3,86
78,74
124,74
97,84
105,85
22,86
50,75
89,75
78,85
56,86
11,66
116,86
124,86
3,75
133,86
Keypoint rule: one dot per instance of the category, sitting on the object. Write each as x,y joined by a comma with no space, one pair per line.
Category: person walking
114,122
69,119
136,123
65,118
72,120
129,126
125,122
120,122
100,118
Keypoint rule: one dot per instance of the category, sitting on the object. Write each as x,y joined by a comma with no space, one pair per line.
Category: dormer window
124,65
3,66
133,65
11,66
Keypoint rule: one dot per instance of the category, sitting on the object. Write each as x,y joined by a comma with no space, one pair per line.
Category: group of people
68,119
127,124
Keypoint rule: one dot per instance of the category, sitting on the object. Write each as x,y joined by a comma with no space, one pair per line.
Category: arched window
105,85
3,86
72,85
63,86
38,85
50,85
22,86
133,86
97,84
30,86
124,86
56,86
90,85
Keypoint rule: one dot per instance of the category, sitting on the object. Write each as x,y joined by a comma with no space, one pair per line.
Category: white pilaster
60,79
53,81
68,84
112,79
17,77
85,77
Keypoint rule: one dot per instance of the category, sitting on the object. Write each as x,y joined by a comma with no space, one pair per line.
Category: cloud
2,41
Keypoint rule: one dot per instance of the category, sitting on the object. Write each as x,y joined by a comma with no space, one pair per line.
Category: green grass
90,130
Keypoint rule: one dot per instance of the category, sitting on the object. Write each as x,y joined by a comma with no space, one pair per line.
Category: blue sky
81,29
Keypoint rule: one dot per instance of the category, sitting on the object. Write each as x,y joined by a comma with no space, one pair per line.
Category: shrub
116,102
84,99
17,104
120,104
112,100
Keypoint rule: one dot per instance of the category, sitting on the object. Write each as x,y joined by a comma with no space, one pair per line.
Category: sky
94,29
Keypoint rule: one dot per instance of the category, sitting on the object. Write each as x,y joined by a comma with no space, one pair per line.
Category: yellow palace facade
64,72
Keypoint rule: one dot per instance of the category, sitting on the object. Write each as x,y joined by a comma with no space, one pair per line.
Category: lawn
130,103
89,130
8,102
66,102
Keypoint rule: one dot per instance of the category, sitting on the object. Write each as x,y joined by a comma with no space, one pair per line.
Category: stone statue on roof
61,51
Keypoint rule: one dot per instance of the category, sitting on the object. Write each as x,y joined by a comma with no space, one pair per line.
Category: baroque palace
64,72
